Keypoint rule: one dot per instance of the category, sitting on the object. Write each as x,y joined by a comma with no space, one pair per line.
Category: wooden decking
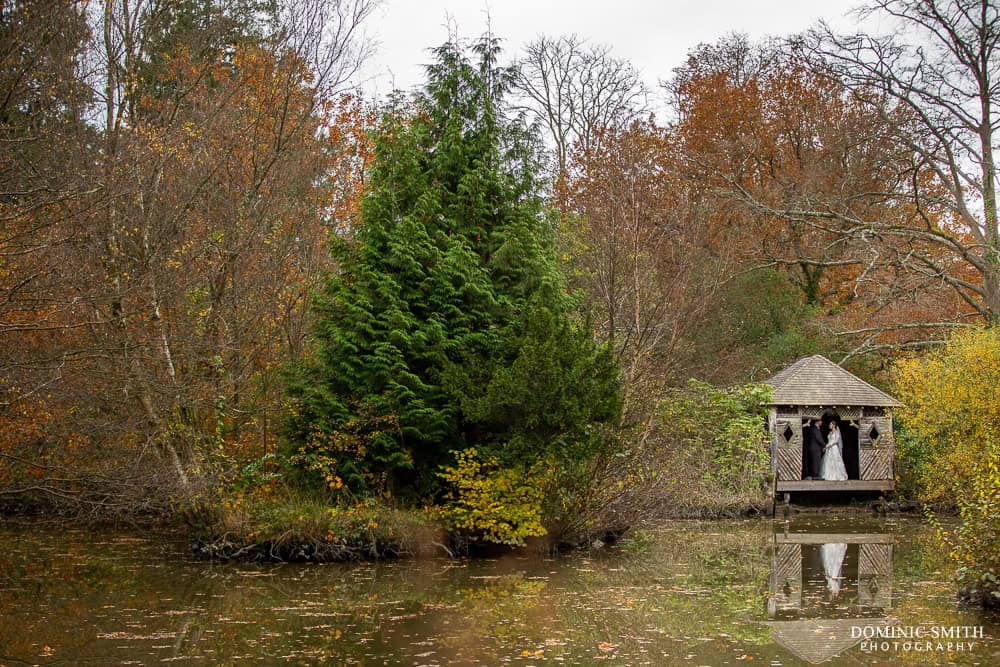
833,538
783,486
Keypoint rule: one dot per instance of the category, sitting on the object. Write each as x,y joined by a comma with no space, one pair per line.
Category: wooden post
772,499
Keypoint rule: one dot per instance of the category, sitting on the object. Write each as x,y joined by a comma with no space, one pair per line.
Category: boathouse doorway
851,450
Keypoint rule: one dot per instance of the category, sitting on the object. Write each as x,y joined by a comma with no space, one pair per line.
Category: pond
837,590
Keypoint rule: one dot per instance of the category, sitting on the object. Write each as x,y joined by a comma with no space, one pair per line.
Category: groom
815,443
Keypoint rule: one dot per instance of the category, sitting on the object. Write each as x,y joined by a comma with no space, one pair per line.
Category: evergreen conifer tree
447,323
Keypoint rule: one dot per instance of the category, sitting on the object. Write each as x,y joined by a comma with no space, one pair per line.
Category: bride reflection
833,561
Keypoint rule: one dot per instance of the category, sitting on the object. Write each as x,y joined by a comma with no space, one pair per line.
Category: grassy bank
294,527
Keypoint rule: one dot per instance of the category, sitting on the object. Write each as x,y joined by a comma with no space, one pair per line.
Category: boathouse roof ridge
817,381
818,640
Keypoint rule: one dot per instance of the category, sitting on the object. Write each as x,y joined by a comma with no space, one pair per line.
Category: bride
832,465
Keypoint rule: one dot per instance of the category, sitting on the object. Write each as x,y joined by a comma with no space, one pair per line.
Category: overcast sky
654,36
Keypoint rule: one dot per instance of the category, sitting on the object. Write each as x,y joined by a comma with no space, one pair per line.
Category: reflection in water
833,560
698,593
831,575
825,587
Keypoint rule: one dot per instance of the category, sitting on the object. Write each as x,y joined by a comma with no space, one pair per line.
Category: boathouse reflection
824,584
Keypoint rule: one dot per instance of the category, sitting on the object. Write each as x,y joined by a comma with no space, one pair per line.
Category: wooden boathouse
815,387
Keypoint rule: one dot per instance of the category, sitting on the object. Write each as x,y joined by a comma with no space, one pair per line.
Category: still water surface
705,593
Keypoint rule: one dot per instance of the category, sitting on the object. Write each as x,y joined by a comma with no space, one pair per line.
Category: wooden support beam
830,485
834,538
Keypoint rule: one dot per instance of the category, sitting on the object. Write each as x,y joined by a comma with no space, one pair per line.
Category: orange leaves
634,242
790,163
172,276
717,112
23,422
348,128
34,434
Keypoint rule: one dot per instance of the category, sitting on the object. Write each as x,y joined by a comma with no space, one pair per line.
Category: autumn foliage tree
777,137
635,246
150,301
790,160
949,449
44,140
932,84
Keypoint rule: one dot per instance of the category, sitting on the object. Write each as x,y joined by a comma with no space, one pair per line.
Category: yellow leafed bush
492,503
951,413
975,545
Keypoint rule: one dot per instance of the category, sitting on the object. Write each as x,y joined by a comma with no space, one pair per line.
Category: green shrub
728,425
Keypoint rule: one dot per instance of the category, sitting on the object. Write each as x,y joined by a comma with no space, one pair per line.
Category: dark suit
815,442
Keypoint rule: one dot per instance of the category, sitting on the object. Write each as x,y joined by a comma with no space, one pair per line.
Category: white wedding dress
832,465
833,561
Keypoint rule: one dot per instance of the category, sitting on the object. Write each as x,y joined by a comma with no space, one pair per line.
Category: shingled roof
820,639
817,381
